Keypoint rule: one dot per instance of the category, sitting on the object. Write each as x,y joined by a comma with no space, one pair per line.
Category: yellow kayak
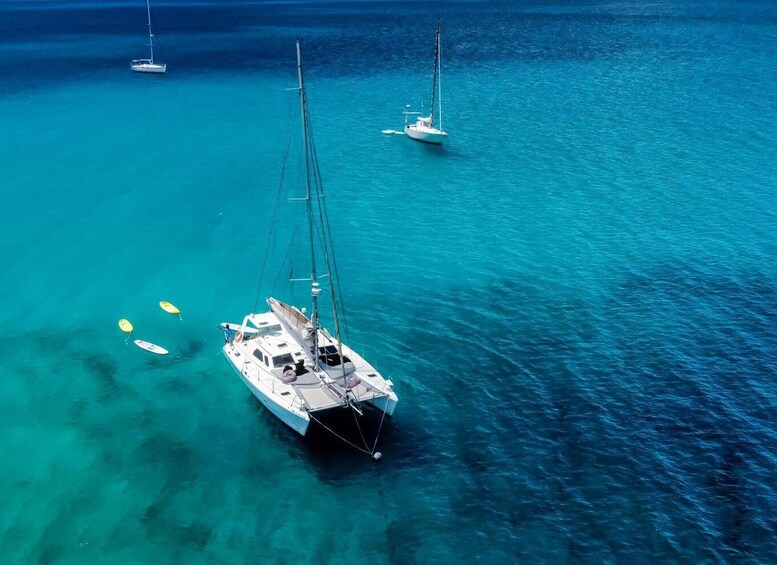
125,325
167,307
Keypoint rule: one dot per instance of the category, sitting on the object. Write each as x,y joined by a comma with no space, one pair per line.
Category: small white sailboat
425,128
295,367
149,65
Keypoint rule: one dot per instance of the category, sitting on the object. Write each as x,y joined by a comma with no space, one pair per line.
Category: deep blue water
576,299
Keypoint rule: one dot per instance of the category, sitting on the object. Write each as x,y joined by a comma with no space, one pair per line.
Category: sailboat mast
150,35
315,287
436,63
439,75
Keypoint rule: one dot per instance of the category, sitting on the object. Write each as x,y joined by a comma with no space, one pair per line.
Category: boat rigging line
375,455
274,217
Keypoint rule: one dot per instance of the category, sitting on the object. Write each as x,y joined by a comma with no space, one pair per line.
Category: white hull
149,68
385,404
426,135
295,419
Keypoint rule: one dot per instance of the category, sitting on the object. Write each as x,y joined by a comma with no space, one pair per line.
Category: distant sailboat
148,65
425,129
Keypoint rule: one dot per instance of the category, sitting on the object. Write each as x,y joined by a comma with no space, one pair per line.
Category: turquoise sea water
576,299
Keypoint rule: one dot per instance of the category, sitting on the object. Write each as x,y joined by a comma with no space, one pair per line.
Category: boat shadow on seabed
334,431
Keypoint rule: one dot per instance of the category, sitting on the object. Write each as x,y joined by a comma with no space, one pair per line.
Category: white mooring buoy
377,455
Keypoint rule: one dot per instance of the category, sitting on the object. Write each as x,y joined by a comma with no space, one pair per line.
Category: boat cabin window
264,330
258,355
281,360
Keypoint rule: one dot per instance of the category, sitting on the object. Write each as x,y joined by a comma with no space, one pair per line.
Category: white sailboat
149,65
425,128
296,368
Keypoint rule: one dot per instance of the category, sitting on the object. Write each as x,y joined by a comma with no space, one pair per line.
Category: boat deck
317,397
277,363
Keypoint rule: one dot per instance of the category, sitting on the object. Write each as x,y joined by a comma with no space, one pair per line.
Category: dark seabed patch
618,416
195,534
192,348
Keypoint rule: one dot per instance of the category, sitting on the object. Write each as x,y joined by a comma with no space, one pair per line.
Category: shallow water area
576,298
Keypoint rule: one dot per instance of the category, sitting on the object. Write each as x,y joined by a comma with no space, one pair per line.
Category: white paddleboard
151,347
388,131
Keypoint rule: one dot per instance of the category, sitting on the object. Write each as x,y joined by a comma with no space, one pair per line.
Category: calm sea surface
576,298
